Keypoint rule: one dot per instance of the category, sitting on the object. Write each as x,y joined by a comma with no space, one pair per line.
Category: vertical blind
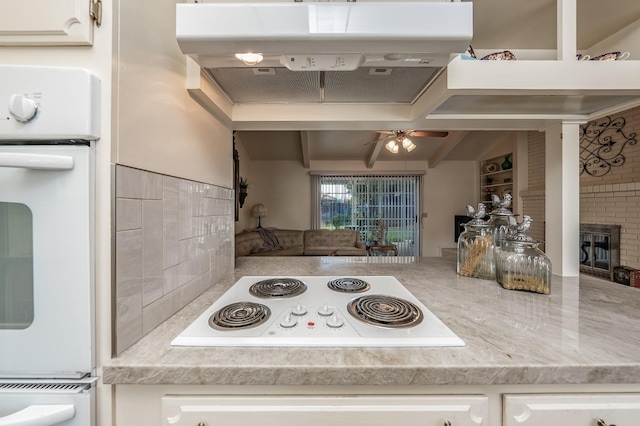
382,208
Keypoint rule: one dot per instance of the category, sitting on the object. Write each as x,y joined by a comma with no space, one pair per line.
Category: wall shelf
496,177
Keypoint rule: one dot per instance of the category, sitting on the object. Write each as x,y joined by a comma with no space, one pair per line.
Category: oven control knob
288,321
325,311
22,108
299,309
334,321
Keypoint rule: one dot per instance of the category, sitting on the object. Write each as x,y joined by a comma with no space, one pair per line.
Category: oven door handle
40,415
36,161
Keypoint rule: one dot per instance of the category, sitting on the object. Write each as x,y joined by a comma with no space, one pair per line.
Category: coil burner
328,311
276,288
239,316
349,285
385,311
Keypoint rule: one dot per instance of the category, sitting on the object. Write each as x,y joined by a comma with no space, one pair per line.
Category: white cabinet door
180,410
45,22
572,409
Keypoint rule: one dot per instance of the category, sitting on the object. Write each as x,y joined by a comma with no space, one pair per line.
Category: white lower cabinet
596,409
406,410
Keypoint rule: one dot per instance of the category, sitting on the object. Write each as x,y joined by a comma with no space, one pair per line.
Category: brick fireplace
599,249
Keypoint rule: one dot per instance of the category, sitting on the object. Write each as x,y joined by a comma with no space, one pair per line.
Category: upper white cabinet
48,22
572,409
321,411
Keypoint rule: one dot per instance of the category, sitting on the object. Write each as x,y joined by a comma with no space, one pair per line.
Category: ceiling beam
376,151
304,144
445,148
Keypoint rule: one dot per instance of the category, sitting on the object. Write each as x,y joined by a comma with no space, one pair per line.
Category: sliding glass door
384,209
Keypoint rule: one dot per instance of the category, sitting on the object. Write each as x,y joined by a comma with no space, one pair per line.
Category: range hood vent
325,36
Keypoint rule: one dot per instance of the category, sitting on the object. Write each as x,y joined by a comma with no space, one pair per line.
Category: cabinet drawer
620,409
180,410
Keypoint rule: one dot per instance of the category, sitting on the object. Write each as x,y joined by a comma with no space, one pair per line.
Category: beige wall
625,40
284,187
441,203
157,126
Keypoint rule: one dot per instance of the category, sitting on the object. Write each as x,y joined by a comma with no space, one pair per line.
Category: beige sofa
313,242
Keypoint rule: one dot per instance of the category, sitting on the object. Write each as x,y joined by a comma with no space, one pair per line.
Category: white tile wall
174,239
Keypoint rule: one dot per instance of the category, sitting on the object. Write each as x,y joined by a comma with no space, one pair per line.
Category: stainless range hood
325,36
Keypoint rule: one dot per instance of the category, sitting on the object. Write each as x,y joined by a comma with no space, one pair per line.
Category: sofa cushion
336,242
344,237
289,251
245,242
318,238
250,243
320,250
289,238
315,242
351,252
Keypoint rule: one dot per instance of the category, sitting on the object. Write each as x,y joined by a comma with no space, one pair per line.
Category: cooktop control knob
289,321
325,311
334,321
299,309
22,108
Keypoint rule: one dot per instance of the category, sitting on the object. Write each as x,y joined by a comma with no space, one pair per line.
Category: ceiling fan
400,138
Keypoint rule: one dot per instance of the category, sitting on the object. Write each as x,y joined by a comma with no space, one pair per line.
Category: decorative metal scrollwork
601,145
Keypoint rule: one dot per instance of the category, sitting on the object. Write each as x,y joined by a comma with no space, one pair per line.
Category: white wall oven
49,121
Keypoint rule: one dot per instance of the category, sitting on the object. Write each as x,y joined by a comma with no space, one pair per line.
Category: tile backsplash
173,240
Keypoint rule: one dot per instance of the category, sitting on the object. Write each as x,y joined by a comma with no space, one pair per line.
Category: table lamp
259,211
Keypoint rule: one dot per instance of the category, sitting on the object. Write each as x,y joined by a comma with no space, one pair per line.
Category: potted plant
243,186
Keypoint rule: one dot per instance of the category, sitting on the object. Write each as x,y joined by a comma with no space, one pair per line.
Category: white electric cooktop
323,311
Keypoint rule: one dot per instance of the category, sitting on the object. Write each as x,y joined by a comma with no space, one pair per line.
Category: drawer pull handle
603,423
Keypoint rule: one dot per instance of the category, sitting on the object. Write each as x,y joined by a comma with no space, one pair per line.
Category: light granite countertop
586,331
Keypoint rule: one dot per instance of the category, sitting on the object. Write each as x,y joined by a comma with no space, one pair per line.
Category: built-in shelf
496,177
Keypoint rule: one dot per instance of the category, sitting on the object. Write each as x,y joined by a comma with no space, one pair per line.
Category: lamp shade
259,210
392,146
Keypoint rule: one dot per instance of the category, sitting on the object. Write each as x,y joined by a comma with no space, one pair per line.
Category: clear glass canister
501,224
475,251
521,265
501,219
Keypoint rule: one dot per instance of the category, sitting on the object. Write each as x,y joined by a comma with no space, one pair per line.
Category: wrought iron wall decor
601,145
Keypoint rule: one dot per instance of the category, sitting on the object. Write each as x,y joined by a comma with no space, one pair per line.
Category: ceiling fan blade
428,134
377,140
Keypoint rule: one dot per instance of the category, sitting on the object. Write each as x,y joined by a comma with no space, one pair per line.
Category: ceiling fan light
250,59
392,146
406,143
411,147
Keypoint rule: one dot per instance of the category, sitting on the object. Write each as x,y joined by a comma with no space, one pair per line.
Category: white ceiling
498,25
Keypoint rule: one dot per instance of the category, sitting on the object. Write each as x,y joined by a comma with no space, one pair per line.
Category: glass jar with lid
520,264
475,247
501,219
